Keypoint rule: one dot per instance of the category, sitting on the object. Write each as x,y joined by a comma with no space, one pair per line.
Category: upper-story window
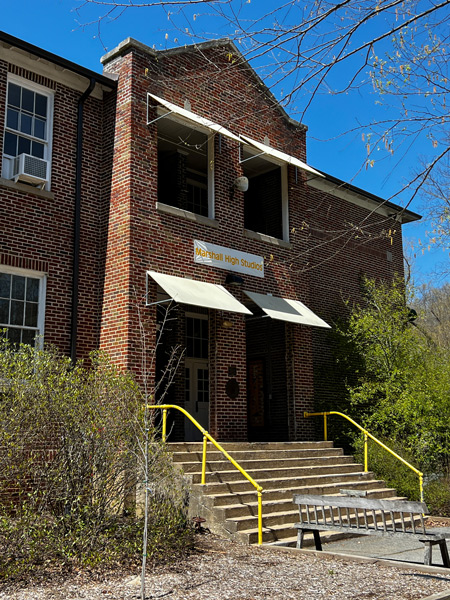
27,135
22,304
185,167
265,201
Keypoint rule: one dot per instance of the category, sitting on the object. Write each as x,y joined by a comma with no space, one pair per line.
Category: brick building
175,181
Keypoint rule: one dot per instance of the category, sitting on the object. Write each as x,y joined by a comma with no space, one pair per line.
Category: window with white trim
266,200
22,305
185,167
28,128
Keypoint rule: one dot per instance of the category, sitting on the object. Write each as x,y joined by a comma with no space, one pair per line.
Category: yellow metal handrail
366,436
206,437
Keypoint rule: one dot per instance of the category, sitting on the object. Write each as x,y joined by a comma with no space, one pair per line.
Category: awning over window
198,293
291,160
284,309
193,118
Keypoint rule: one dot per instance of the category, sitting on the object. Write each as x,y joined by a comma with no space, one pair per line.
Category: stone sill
185,214
262,237
27,189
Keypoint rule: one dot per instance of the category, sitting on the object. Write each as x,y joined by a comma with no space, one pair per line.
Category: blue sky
56,26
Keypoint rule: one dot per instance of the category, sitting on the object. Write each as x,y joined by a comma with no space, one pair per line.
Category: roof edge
408,216
15,42
129,43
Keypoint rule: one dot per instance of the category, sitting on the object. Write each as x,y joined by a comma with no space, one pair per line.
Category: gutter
77,222
68,65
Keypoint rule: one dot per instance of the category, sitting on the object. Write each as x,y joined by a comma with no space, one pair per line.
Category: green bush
388,468
73,445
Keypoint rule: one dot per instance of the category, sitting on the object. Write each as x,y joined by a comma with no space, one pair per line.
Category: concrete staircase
228,501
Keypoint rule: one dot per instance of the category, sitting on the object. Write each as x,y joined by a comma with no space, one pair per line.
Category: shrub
73,441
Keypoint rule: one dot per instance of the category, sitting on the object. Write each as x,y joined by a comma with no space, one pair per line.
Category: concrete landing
388,548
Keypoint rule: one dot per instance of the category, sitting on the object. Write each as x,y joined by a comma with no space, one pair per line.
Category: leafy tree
402,388
397,47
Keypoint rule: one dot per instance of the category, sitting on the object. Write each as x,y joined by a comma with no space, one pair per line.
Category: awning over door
194,119
198,293
284,309
281,156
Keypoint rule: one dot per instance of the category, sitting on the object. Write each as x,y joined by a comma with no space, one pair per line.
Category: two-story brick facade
194,192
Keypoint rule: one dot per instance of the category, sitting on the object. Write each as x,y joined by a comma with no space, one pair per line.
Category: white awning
198,293
193,118
284,309
282,156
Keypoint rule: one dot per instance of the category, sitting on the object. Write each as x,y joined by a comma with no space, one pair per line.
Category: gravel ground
223,570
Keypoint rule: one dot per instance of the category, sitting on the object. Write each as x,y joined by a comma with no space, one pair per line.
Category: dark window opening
182,167
263,202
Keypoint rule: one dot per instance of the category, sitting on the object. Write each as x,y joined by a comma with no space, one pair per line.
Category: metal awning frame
187,117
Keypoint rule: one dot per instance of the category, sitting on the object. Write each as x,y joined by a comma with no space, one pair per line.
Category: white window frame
41,299
284,188
162,114
7,160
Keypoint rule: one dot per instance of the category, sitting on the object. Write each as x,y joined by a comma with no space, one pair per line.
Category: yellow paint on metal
206,437
205,444
372,437
164,425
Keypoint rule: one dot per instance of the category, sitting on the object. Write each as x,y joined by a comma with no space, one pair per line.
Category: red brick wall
319,270
39,227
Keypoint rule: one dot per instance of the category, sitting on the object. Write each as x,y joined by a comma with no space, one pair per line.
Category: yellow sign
228,259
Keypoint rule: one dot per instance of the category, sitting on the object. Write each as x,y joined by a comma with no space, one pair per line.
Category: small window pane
12,120
14,95
4,311
32,289
17,310
25,123
37,149
18,287
41,105
28,336
14,335
39,128
24,146
31,314
10,146
27,100
5,285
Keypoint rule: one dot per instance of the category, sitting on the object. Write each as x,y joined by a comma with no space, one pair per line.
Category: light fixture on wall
232,279
227,324
241,184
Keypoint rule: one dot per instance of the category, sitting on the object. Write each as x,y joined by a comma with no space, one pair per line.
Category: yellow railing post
164,424
260,518
421,486
366,458
205,444
325,431
206,437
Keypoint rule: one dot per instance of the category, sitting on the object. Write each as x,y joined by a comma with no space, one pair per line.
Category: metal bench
367,516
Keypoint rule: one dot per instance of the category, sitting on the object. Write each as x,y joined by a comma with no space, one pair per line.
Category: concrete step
263,463
317,476
295,472
373,487
229,502
255,455
243,446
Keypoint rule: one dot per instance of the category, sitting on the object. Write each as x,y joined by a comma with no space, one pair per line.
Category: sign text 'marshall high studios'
226,258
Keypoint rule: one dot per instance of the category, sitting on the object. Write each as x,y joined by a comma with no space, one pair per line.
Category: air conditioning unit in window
30,169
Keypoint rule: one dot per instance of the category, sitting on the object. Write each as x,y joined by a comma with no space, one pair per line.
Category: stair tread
281,500
288,479
275,469
281,489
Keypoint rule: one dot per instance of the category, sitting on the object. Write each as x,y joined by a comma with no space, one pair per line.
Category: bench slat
369,503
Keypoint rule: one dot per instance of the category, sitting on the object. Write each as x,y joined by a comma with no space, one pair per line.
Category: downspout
77,223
